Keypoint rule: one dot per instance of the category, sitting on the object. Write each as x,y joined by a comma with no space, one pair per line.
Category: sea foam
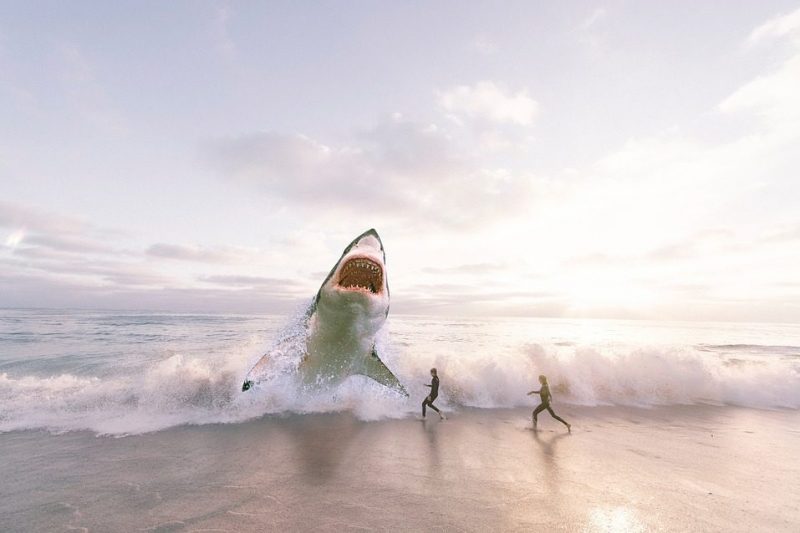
204,388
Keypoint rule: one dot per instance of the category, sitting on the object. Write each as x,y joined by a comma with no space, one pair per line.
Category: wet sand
622,469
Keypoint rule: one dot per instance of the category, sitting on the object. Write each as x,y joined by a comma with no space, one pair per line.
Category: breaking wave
182,389
634,377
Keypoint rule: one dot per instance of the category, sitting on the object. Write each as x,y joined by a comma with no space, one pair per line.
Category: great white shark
342,322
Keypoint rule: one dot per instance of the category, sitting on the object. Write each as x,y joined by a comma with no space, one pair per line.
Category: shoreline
621,469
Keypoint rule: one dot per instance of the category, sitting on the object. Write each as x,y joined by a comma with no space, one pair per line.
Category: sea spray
623,376
167,370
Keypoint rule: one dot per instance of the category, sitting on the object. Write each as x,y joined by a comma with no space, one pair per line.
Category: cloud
771,97
470,224
593,18
38,233
238,281
711,242
782,234
489,102
590,32
295,167
20,290
120,275
65,261
14,238
400,169
69,244
20,216
465,301
474,269
777,27
200,254
71,270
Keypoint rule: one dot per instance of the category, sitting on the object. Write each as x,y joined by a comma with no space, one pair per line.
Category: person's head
543,379
433,371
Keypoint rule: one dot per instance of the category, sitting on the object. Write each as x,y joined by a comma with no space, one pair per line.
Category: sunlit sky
568,159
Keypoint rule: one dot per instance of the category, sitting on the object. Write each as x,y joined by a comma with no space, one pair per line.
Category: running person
428,401
544,392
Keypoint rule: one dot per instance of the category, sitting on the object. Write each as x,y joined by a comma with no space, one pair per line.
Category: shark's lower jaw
361,274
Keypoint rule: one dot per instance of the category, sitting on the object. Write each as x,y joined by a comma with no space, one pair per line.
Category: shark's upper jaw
357,282
361,274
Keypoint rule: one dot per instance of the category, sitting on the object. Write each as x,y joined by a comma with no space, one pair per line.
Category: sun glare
14,238
614,520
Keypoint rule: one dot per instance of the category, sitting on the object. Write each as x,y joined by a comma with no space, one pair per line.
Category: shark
342,322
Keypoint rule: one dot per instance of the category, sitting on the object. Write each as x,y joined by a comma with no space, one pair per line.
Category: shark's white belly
337,347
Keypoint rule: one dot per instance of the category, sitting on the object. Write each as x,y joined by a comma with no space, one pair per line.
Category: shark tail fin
377,370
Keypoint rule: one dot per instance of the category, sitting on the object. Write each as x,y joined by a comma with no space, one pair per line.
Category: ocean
121,421
119,373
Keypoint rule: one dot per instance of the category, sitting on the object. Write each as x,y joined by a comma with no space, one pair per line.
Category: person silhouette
544,393
428,401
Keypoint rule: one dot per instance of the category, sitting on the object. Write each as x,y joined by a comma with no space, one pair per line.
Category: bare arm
535,392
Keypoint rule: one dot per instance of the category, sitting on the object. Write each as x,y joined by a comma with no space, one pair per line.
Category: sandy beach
240,242
622,469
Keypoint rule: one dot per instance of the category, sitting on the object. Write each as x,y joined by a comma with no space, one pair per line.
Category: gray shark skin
349,309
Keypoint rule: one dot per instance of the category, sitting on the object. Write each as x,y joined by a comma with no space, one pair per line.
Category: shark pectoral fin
264,367
375,369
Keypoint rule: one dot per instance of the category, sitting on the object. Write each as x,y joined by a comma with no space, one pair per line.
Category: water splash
143,392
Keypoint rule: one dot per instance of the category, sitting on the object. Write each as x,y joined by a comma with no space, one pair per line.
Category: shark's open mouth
360,273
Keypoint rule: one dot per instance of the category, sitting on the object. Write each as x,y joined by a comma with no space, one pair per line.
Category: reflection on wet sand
614,520
548,444
320,442
549,453
622,470
431,430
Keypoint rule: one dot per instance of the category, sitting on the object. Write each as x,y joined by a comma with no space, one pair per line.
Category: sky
521,158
